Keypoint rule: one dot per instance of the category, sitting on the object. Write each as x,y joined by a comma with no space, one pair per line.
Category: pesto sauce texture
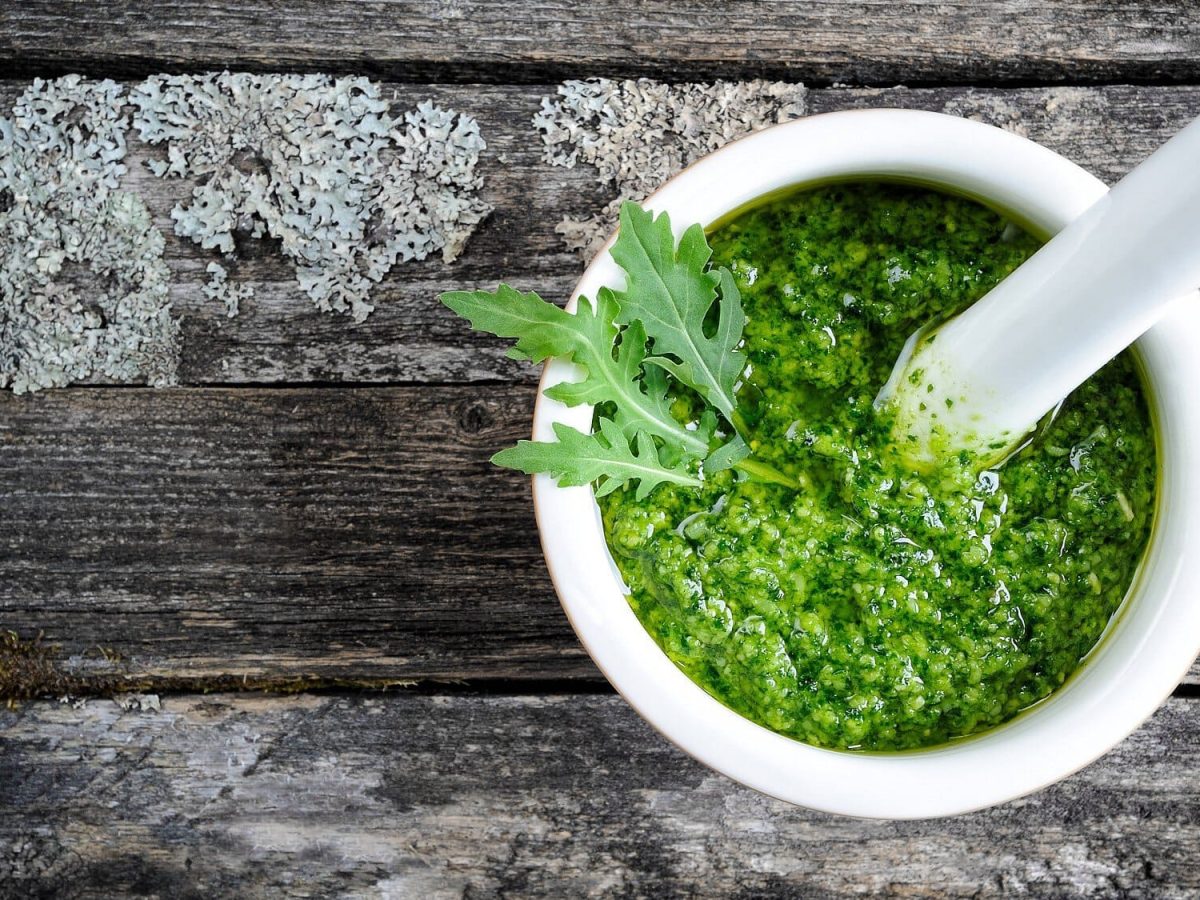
877,608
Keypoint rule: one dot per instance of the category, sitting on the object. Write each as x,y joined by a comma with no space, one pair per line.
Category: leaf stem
760,471
768,473
739,424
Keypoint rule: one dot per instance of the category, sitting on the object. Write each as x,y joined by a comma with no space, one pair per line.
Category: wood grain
259,528
276,536
497,796
855,41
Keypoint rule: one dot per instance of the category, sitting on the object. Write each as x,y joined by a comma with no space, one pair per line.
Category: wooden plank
410,337
856,41
275,536
204,537
492,796
1106,130
280,337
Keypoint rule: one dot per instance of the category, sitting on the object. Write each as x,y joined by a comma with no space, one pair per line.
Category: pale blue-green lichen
83,286
638,133
320,164
229,293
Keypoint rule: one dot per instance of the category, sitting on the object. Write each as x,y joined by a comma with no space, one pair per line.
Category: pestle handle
1087,294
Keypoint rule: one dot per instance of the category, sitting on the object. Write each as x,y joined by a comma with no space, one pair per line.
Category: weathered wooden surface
287,534
945,41
484,796
277,534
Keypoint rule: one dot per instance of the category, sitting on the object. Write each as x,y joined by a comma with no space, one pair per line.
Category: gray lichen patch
138,702
637,134
220,288
83,286
321,165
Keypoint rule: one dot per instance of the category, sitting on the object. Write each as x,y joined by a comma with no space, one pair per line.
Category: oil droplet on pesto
878,608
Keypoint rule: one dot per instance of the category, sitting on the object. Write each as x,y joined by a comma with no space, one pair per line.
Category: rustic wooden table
352,674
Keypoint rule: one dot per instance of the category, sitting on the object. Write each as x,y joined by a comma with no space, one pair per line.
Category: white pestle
982,380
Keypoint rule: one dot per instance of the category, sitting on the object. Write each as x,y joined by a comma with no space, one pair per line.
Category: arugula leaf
605,456
544,330
666,304
727,455
671,292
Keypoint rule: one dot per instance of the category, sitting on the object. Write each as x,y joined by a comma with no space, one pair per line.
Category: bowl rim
1148,647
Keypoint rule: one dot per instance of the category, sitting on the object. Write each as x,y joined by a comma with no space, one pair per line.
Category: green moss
26,668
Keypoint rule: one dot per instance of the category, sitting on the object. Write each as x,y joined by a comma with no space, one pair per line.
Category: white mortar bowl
1148,646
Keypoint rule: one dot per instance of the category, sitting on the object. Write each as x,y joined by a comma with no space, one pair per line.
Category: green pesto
877,608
